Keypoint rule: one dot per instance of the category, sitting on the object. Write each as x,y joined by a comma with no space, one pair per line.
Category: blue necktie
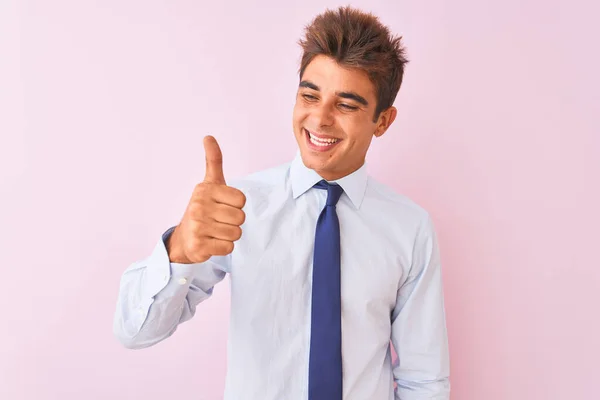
325,363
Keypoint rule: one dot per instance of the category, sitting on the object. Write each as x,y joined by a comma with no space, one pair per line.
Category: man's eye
309,97
348,107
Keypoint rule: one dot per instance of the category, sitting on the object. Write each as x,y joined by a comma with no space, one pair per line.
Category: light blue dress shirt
391,285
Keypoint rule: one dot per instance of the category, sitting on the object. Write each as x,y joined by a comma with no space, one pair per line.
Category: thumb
214,161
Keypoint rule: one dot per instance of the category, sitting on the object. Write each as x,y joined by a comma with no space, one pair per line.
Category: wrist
175,248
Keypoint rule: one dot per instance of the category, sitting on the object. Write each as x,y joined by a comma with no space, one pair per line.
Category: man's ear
386,118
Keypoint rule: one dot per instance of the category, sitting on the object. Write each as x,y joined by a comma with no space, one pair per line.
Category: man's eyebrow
310,85
353,96
345,95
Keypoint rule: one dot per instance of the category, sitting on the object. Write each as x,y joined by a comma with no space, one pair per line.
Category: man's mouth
320,142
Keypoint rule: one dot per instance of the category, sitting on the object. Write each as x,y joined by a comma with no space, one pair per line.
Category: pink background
103,107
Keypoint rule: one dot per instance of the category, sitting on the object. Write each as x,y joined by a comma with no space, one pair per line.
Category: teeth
321,142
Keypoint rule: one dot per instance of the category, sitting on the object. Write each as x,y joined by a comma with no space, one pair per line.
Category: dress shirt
391,289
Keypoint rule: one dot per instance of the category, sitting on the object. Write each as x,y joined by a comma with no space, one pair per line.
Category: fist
213,218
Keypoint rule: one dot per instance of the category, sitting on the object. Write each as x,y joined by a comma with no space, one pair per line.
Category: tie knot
334,192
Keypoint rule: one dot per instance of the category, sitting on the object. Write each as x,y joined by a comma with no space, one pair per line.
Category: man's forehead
325,68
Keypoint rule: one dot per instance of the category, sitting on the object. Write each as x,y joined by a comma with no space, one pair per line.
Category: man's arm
161,292
155,295
419,333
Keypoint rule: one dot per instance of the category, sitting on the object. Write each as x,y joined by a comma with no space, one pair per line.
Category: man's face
333,118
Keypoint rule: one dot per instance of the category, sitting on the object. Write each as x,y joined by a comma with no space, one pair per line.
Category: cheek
301,116
359,134
298,114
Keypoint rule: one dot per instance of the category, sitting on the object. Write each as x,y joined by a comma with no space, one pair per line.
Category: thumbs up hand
213,218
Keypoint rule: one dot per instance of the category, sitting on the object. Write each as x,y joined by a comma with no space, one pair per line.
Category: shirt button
182,281
165,278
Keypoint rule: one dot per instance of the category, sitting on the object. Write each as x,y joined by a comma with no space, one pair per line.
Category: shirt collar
304,178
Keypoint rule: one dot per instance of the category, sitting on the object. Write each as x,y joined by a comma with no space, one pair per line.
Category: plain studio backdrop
103,107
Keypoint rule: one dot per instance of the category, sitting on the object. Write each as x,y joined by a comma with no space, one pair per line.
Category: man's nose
323,115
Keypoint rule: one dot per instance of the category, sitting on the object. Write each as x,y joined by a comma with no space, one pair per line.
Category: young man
328,265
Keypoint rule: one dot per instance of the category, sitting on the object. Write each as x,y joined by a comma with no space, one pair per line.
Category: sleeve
419,333
155,295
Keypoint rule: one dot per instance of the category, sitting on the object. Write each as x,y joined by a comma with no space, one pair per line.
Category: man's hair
359,40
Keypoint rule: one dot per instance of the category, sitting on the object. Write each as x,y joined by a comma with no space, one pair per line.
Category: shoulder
385,195
397,207
263,189
260,185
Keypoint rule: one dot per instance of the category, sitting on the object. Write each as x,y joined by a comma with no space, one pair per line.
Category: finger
229,196
222,231
229,215
218,247
214,161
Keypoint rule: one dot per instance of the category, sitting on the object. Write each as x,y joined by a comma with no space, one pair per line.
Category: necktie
325,362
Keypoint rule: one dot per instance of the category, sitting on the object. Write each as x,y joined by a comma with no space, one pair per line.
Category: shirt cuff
160,271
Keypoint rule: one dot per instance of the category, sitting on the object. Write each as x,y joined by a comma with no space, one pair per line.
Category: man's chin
320,162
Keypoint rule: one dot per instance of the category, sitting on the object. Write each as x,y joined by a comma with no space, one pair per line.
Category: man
327,266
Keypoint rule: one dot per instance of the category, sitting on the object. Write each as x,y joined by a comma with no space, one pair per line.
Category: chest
272,263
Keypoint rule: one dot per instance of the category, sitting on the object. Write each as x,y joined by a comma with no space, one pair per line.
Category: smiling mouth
320,143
